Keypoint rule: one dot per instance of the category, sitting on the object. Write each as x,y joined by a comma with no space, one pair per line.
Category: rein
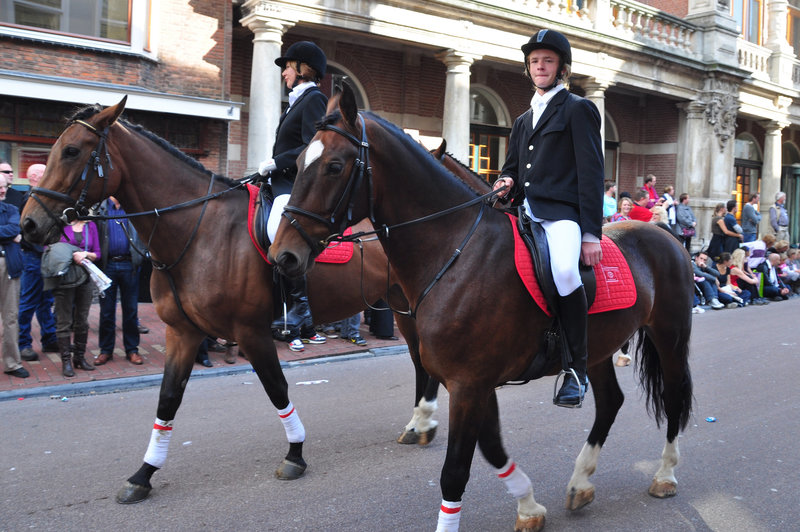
361,170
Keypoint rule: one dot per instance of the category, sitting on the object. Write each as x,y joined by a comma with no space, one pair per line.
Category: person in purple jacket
72,303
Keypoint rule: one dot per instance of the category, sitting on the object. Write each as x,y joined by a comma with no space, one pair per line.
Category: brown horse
208,276
470,316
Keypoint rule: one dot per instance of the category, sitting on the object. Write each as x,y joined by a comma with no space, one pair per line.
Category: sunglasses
7,171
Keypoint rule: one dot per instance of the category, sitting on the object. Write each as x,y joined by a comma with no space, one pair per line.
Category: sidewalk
119,373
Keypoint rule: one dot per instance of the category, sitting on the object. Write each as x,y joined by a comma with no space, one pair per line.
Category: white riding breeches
564,244
275,215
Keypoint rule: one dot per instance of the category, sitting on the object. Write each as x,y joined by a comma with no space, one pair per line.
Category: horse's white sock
295,431
517,483
156,453
449,516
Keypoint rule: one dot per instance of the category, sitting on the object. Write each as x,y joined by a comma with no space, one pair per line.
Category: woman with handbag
72,302
687,222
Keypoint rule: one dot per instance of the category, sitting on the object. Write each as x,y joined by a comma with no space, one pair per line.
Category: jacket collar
551,109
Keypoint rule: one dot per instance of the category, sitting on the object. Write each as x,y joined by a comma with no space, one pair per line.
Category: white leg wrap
449,516
585,466
295,431
517,482
422,420
669,460
156,453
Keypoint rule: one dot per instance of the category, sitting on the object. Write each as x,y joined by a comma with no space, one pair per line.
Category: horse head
332,189
79,174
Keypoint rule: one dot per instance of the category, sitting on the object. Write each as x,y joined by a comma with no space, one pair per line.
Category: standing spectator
640,210
120,262
10,272
733,231
351,330
669,203
625,206
609,200
650,188
687,222
750,218
34,299
13,197
779,218
721,235
73,302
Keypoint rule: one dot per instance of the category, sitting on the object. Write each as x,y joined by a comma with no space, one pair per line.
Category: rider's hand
267,166
591,253
503,181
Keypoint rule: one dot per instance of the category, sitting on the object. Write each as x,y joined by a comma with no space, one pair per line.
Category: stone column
781,62
455,123
596,92
770,171
265,86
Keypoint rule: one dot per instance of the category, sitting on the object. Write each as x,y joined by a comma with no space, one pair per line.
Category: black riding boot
78,359
573,313
66,357
298,318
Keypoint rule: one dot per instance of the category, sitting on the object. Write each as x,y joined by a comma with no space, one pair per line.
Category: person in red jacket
640,211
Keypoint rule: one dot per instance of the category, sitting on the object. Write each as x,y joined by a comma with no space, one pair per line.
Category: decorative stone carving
721,107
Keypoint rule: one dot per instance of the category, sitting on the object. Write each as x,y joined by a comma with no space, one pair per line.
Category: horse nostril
28,226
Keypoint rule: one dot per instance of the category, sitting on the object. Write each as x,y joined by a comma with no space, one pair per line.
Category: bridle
361,171
77,208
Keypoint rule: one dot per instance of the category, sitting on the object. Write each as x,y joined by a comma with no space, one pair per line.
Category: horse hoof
426,437
531,524
290,470
577,499
663,489
132,493
408,437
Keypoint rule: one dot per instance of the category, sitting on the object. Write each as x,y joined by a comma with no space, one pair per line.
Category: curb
124,384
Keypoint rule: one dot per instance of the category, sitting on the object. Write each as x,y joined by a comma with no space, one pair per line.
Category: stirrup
581,388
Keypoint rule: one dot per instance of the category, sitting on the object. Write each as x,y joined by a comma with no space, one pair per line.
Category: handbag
687,231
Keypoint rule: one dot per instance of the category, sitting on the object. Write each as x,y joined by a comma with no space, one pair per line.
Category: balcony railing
646,25
753,58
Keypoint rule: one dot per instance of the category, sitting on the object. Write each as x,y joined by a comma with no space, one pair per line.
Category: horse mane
417,149
468,169
91,110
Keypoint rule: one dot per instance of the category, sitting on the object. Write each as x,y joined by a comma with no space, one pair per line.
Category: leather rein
361,172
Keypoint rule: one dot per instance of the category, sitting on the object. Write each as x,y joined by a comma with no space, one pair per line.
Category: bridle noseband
361,170
77,208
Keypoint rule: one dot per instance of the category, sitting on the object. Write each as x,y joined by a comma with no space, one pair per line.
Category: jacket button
530,147
527,183
528,165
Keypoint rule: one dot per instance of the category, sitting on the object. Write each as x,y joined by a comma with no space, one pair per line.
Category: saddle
553,349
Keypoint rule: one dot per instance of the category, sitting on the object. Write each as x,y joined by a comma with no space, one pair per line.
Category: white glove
266,167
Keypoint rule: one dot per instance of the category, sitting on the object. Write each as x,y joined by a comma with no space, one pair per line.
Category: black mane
91,110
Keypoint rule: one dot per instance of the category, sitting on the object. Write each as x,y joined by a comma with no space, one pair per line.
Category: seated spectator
708,283
729,294
640,211
758,250
744,278
789,272
625,206
659,215
774,288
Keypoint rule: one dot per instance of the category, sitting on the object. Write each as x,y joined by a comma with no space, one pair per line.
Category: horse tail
651,377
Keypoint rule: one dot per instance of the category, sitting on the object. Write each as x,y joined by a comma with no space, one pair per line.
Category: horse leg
668,353
608,400
181,352
422,427
530,514
264,358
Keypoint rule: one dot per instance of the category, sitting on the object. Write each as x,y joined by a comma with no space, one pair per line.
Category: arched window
611,163
489,131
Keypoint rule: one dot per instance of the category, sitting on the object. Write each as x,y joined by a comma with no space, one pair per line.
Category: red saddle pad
615,287
335,253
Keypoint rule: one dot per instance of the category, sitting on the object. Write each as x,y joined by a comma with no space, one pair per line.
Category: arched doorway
489,131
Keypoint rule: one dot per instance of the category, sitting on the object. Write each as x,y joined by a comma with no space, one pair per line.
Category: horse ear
109,115
348,106
443,147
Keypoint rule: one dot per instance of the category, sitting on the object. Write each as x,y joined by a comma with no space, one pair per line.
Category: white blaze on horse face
313,151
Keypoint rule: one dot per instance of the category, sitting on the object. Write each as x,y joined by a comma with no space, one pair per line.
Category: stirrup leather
581,388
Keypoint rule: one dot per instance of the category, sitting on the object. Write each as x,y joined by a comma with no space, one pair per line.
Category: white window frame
138,32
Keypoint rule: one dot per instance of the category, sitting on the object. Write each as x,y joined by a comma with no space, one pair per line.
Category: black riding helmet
551,40
305,52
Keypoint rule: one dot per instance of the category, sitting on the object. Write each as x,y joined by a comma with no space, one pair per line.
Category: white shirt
299,90
539,102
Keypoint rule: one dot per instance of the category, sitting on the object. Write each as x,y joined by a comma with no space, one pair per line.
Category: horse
208,276
452,257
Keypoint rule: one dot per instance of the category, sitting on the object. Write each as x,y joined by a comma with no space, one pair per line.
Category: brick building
703,93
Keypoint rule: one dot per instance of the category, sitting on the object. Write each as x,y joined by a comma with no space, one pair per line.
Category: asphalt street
64,461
